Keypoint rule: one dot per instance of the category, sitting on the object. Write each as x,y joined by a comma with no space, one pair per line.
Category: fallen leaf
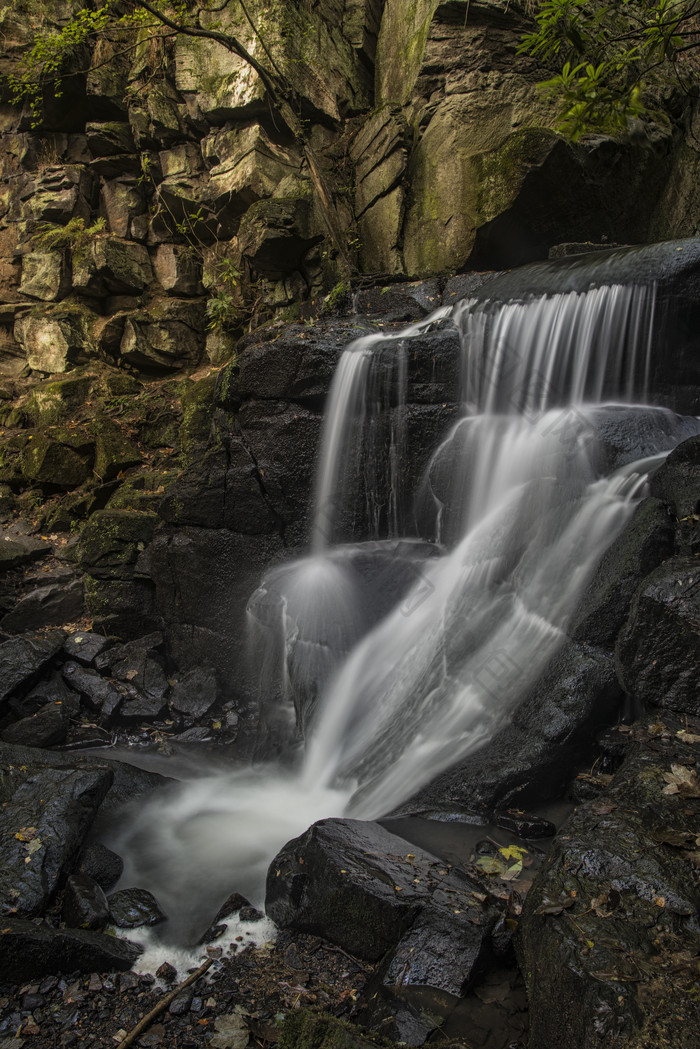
231,1032
683,781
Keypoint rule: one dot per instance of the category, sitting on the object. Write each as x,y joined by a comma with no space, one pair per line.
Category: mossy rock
114,452
197,411
120,384
54,400
112,541
306,1029
143,492
53,463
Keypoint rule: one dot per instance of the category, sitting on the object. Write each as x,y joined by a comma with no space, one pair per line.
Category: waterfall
402,654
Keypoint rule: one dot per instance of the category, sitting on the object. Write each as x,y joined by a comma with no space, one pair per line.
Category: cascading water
403,655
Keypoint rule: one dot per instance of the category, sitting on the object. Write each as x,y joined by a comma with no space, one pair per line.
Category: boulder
114,452
166,337
177,270
677,482
133,908
123,204
42,828
100,864
16,549
44,606
84,903
367,891
47,728
57,461
250,167
55,338
109,139
128,781
44,276
84,646
276,234
59,194
658,651
99,694
194,693
31,951
23,658
112,266
112,540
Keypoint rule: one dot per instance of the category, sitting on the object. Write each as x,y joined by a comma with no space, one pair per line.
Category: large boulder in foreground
376,896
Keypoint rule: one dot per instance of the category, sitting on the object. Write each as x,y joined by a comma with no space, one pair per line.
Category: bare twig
162,1006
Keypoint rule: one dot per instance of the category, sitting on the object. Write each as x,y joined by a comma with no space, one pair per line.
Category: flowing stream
402,653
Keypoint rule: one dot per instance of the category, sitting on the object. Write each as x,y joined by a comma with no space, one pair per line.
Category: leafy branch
617,58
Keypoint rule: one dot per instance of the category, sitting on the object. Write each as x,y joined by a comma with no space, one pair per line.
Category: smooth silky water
401,655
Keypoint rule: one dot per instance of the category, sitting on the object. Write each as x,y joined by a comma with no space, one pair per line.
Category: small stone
84,903
132,908
100,864
167,973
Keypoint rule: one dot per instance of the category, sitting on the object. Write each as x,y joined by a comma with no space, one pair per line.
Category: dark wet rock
530,759
132,908
531,828
625,434
42,827
46,606
298,366
52,690
250,914
23,658
17,550
84,903
84,647
143,673
658,651
112,540
608,937
31,951
100,864
354,883
47,728
99,693
105,661
180,1005
445,949
128,781
194,693
677,481
167,973
137,706
396,301
645,542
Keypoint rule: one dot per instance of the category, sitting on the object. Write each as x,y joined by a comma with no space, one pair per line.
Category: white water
416,660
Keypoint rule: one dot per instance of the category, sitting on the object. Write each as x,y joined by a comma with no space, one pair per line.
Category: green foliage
221,307
617,58
56,52
75,237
